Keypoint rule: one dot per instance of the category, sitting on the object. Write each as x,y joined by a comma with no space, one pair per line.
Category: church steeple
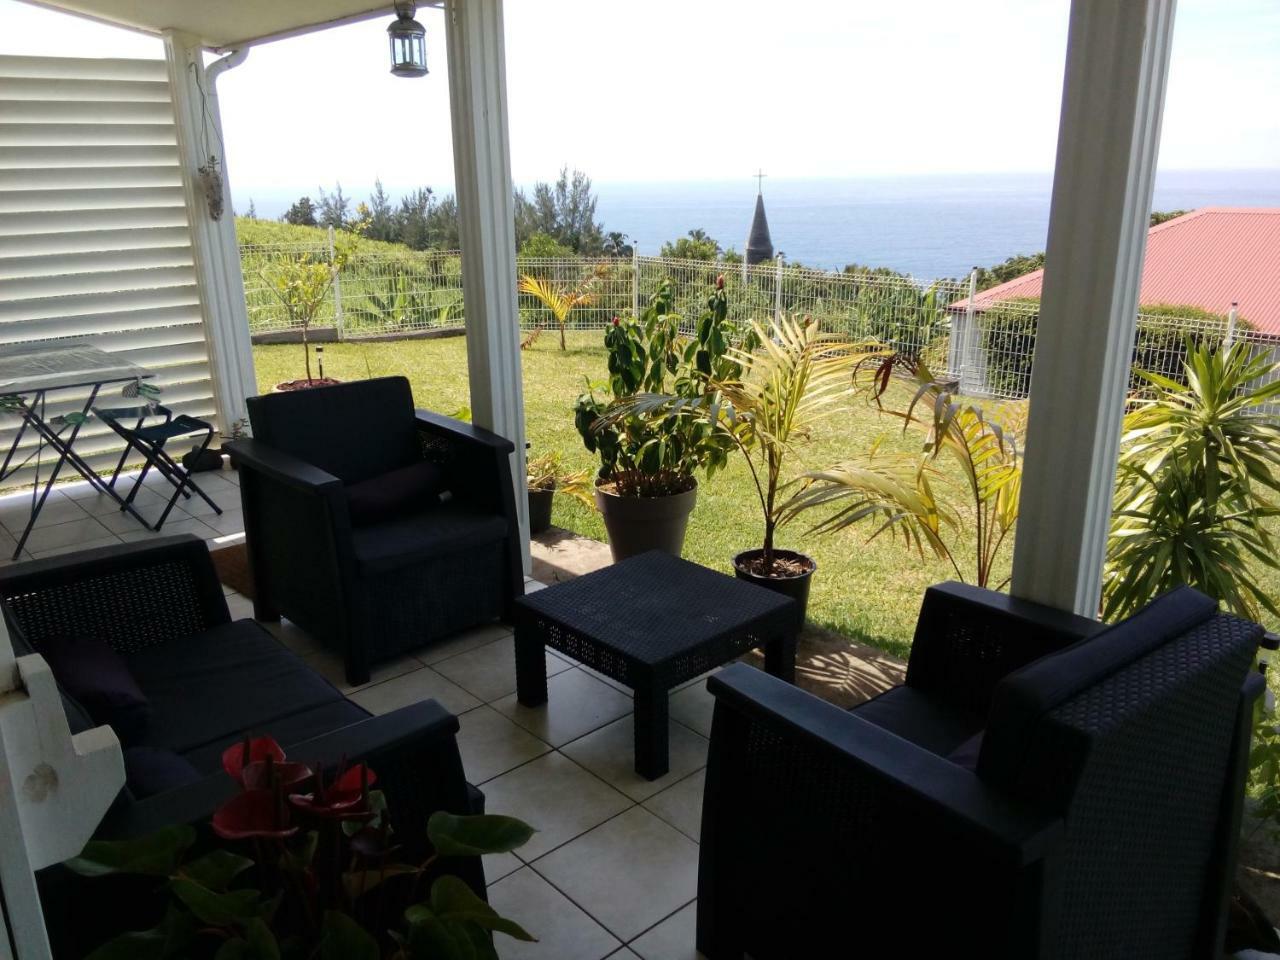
759,244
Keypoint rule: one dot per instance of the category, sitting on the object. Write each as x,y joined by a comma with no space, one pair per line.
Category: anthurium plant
310,868
646,456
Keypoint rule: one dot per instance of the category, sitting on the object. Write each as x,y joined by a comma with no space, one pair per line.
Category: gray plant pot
797,588
540,510
639,524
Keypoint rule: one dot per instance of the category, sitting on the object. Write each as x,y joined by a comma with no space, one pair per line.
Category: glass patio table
651,622
28,374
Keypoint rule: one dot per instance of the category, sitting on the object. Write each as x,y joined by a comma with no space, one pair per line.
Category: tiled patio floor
612,871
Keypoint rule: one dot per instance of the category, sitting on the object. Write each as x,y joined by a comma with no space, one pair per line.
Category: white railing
988,350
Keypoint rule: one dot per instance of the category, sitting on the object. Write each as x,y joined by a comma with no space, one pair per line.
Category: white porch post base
54,789
482,171
213,242
1112,101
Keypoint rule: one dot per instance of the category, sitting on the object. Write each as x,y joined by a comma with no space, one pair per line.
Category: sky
680,90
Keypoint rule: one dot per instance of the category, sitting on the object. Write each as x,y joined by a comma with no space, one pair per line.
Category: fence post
337,290
1233,317
635,282
969,344
777,288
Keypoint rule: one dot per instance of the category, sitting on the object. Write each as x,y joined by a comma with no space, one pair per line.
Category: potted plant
785,378
646,487
308,866
547,476
301,284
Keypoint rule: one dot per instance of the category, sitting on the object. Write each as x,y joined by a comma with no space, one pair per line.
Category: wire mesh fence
988,350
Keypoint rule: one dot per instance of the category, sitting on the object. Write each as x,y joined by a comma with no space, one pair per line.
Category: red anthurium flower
347,798
720,282
267,775
254,813
236,758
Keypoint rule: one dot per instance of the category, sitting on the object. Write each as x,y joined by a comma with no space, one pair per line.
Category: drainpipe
219,67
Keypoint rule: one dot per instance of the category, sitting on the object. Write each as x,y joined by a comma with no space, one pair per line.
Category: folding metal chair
150,442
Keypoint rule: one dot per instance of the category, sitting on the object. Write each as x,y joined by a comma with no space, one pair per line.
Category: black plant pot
797,588
540,510
639,524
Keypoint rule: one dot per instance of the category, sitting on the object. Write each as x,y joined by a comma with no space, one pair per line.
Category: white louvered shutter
94,238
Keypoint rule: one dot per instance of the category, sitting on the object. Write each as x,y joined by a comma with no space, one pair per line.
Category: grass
869,591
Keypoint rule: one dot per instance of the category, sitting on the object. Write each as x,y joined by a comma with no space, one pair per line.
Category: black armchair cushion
97,678
926,721
453,527
151,770
354,431
1026,696
287,730
250,676
395,494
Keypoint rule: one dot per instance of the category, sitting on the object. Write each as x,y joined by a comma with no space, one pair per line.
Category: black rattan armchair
1007,802
373,591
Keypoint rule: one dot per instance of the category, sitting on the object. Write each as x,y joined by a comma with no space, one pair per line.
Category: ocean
926,226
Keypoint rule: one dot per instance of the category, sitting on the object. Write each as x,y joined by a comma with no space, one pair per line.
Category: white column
1108,137
486,214
213,242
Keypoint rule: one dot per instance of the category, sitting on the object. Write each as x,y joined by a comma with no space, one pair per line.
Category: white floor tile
491,744
72,533
489,672
628,873
499,865
462,642
421,684
681,805
693,706
576,705
107,541
556,797
672,939
563,930
609,753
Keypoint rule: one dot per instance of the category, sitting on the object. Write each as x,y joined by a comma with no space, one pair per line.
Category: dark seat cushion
400,492
97,678
927,722
287,731
354,431
78,719
151,770
451,528
232,679
1023,698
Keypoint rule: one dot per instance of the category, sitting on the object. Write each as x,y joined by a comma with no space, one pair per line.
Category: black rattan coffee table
651,622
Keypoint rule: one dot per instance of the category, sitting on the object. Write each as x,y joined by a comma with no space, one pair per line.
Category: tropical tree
565,210
1199,471
562,300
697,245
301,284
907,494
301,214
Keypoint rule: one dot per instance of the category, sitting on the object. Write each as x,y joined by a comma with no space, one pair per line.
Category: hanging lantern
408,42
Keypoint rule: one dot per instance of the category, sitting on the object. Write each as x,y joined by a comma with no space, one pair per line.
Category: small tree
301,284
696,246
561,300
302,213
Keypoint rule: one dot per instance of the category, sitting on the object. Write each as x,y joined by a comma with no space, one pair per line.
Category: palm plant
795,376
563,300
1199,466
905,493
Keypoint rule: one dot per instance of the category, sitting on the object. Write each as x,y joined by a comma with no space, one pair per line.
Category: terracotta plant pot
796,587
540,510
640,524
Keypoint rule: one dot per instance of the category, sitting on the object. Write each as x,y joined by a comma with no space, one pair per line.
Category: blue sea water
927,226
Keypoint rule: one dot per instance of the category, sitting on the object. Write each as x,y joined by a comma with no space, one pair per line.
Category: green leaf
144,945
359,882
262,941
468,836
341,938
155,855
453,901
218,909
216,869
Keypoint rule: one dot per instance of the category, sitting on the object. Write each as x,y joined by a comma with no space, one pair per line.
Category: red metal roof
1208,258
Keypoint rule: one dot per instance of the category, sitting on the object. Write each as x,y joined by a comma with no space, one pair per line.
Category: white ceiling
223,24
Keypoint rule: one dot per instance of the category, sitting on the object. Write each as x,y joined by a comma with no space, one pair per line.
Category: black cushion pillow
394,494
151,770
96,677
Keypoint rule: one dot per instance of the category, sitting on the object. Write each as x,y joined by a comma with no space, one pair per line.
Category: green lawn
869,591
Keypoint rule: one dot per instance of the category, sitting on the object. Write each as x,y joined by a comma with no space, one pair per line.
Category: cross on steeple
760,175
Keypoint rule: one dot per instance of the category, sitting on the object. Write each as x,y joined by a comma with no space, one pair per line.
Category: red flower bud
720,282
616,321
